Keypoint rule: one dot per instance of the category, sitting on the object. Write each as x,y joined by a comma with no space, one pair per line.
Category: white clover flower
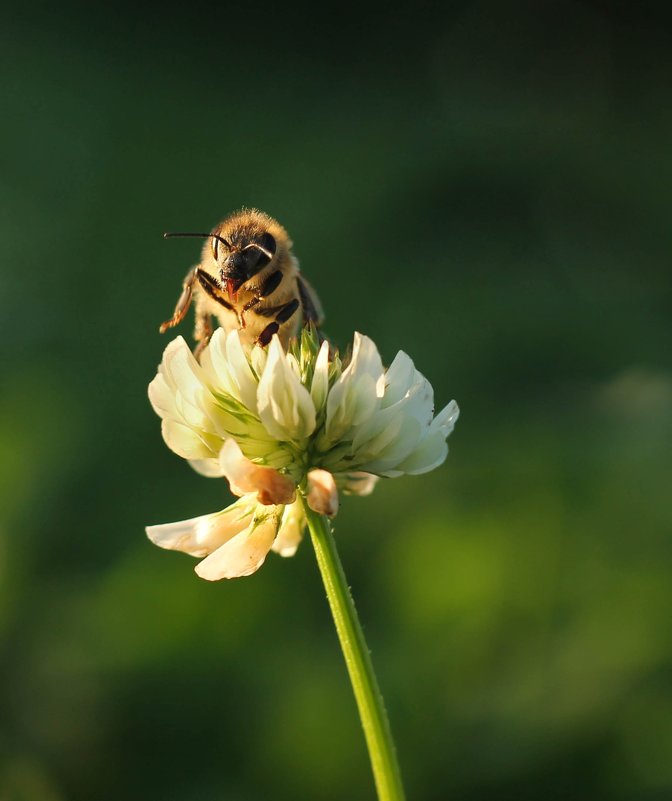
272,421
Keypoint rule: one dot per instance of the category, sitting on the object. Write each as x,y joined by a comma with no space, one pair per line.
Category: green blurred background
484,185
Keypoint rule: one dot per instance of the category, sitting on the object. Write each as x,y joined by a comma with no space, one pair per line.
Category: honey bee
248,279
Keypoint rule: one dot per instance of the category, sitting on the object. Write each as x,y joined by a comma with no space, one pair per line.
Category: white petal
200,536
241,371
398,378
445,420
398,449
320,384
378,431
365,357
430,453
245,553
178,392
258,357
350,404
162,397
184,441
419,401
183,370
210,468
322,493
294,365
245,476
285,406
291,529
216,367
354,398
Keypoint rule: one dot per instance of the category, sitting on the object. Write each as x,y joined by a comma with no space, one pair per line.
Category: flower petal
445,420
322,493
399,448
216,367
200,536
241,371
246,476
245,553
285,406
432,449
184,440
320,384
210,468
430,453
291,529
355,396
398,378
357,483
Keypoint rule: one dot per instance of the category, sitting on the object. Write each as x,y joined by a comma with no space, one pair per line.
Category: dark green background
484,185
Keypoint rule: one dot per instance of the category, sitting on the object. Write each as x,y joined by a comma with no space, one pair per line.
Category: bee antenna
205,236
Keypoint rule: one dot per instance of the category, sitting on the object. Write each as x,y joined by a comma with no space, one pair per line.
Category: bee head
240,247
245,256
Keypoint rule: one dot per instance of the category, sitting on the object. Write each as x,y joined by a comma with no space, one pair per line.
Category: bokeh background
485,185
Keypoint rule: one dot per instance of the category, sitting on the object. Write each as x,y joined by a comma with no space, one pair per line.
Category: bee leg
282,314
202,334
268,288
267,334
212,288
183,302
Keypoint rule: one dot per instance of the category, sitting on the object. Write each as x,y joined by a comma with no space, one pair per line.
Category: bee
248,278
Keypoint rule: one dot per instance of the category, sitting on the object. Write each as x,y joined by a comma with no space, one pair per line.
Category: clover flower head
275,423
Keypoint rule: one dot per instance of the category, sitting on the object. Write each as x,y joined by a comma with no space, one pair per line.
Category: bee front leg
183,302
268,288
203,328
202,334
282,314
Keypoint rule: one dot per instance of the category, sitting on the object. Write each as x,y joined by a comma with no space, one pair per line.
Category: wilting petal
291,529
246,476
322,493
357,483
200,536
245,553
285,406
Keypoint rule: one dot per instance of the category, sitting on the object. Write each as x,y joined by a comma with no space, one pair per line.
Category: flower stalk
375,724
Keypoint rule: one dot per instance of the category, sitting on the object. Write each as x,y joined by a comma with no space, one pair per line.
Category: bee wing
310,303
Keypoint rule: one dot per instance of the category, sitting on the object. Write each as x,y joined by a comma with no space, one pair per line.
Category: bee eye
268,243
262,257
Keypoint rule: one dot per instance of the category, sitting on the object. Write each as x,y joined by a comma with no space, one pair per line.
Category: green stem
365,687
